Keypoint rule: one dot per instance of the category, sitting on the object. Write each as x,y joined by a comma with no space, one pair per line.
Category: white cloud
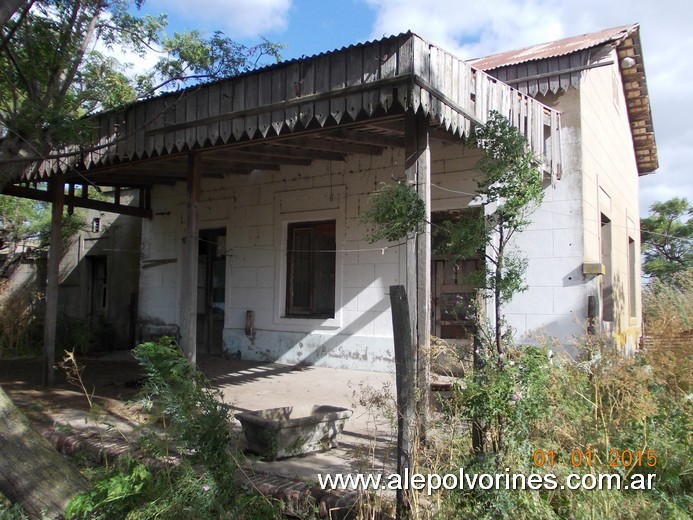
236,18
473,29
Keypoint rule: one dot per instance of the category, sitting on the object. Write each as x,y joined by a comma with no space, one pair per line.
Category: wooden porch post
57,188
188,285
417,166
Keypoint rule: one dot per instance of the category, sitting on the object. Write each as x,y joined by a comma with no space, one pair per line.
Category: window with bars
311,270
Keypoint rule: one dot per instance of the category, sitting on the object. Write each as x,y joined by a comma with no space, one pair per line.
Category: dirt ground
110,382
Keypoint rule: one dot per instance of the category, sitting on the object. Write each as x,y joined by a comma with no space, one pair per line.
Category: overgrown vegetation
598,414
203,482
523,411
509,190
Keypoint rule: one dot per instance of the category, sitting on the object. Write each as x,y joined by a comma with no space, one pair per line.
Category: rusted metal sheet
561,47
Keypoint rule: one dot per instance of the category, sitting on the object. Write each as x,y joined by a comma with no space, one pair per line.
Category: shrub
202,484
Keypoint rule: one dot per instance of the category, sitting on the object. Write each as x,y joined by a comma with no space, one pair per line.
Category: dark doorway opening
211,291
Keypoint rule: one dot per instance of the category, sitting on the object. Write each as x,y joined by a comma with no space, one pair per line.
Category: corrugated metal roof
553,49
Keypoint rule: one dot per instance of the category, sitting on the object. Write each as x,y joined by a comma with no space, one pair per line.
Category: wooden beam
189,267
55,253
76,201
417,169
368,138
251,155
330,145
327,154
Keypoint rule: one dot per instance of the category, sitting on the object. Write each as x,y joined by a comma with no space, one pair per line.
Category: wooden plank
227,89
575,61
354,76
532,85
264,97
405,380
57,193
170,118
554,79
543,82
181,105
191,115
448,65
251,100
293,91
480,102
422,61
307,87
140,127
237,98
538,138
322,85
465,80
388,69
435,78
455,91
337,74
202,112
189,264
155,119
405,65
564,79
371,73
279,93
129,134
522,72
213,109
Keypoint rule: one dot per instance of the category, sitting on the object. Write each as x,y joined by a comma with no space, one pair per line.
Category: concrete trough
293,430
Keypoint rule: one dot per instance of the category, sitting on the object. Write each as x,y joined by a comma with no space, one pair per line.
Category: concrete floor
369,440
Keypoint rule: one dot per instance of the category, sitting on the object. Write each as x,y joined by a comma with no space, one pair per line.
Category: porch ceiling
242,158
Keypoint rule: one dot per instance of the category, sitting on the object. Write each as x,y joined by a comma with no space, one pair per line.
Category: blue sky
473,29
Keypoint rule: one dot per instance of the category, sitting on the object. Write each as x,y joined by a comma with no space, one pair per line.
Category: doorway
211,291
454,292
98,288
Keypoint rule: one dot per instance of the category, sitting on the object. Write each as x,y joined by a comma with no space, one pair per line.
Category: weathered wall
610,187
555,303
118,243
256,210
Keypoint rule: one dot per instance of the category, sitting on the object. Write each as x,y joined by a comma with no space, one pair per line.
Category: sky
473,29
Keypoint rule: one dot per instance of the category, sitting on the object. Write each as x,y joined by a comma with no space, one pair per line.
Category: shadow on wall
97,295
22,307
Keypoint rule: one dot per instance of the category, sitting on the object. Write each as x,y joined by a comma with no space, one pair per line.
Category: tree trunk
32,472
8,8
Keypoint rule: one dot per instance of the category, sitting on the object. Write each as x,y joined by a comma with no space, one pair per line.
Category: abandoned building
250,192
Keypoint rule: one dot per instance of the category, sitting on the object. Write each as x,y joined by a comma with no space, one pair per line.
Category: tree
25,228
8,8
667,238
509,190
32,472
53,73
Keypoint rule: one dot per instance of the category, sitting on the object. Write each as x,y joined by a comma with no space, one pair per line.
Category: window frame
318,255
